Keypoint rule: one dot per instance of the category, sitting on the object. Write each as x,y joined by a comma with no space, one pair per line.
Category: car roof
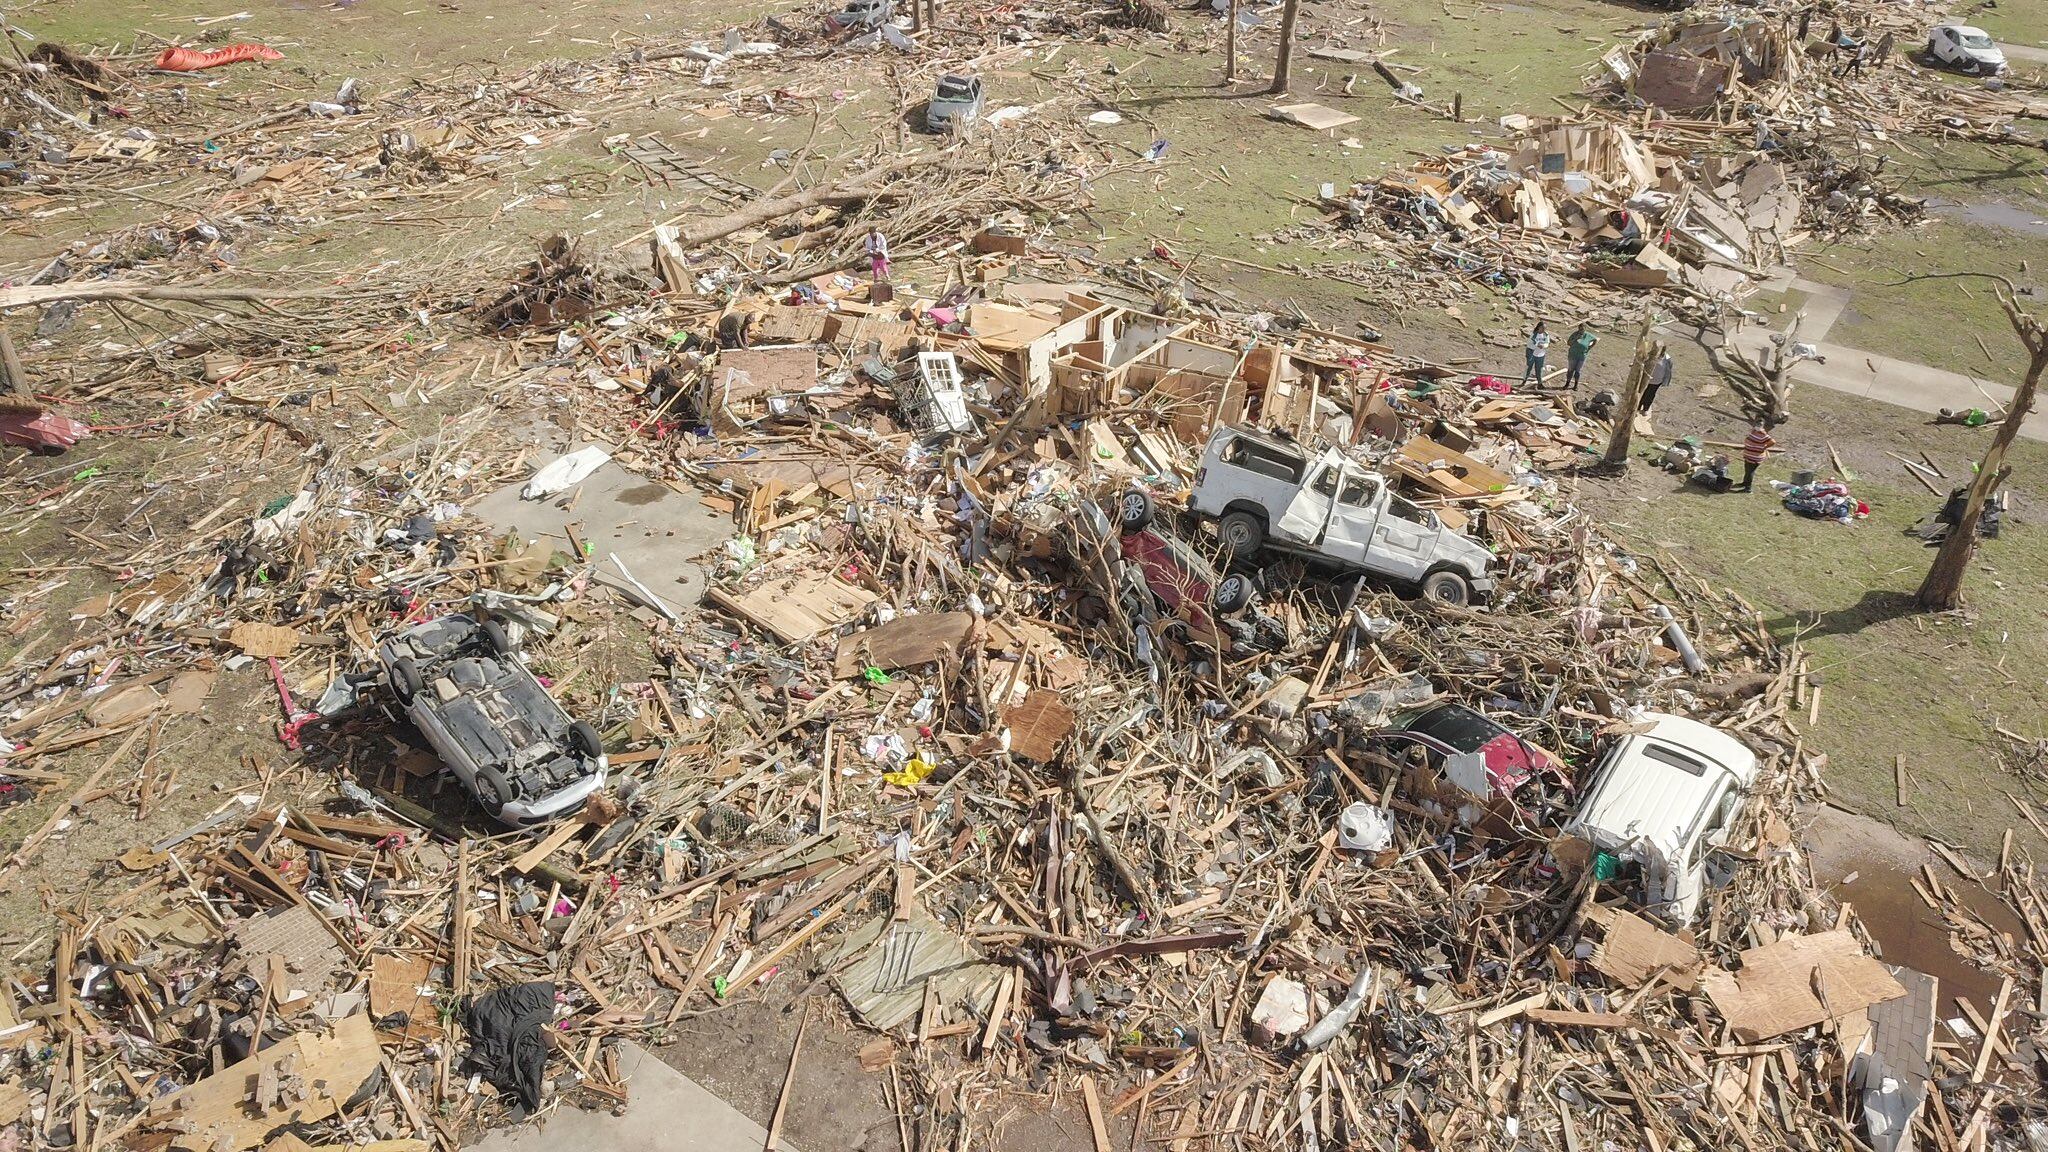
1965,29
1650,797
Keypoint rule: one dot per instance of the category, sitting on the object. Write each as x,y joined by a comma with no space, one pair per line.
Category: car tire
492,791
1242,533
1447,587
1233,592
494,635
583,738
405,679
1135,511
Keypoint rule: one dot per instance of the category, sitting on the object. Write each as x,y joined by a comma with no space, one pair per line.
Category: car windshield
954,88
1976,40
1457,727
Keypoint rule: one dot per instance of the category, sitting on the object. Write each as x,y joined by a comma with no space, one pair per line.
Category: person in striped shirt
1755,447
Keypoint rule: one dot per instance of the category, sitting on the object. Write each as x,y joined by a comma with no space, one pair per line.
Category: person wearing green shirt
1576,350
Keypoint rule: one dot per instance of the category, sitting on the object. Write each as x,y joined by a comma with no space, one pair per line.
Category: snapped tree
1943,587
1283,66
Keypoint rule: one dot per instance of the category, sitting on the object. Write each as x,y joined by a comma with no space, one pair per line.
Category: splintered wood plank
315,1073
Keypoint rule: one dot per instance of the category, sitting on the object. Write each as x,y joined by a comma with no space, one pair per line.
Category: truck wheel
405,679
1447,587
494,635
1233,592
583,738
1243,533
492,791
1135,511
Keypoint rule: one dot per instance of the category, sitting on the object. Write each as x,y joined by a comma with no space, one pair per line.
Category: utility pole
1943,587
1647,352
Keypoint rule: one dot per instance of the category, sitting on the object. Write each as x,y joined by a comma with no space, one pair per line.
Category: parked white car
1267,491
1965,48
1658,803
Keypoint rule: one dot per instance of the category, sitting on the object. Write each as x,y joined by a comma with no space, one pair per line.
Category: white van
1658,803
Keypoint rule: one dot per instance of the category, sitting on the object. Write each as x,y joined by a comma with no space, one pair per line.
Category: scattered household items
1821,500
176,59
1990,519
30,425
1365,827
863,14
461,682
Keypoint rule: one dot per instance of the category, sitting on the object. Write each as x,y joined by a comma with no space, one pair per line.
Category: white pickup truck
1267,491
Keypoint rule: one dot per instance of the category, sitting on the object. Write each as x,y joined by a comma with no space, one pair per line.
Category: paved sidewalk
1919,387
670,1113
2024,54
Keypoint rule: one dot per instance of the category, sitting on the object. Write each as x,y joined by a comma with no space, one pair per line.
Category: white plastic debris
564,473
1365,828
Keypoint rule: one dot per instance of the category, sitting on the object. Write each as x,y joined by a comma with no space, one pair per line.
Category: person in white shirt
1533,354
878,254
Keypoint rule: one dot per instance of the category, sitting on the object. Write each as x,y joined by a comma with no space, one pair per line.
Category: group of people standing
1578,348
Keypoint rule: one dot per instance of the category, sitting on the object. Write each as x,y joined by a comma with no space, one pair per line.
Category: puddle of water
1882,862
643,494
1994,213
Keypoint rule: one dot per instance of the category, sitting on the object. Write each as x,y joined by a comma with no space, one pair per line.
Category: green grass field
1897,681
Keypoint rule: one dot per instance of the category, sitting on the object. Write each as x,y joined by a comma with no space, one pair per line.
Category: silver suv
1268,491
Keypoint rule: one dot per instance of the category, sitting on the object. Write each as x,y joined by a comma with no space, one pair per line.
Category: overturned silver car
523,757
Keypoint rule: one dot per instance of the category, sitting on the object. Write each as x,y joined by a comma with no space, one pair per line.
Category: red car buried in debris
1447,730
1157,578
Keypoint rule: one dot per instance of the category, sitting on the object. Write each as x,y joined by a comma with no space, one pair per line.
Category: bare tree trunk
1283,67
1230,46
1625,415
1943,587
10,365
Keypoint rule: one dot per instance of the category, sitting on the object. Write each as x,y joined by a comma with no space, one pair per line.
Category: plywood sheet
1633,949
751,372
1040,725
798,607
1798,982
1317,116
885,987
905,642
